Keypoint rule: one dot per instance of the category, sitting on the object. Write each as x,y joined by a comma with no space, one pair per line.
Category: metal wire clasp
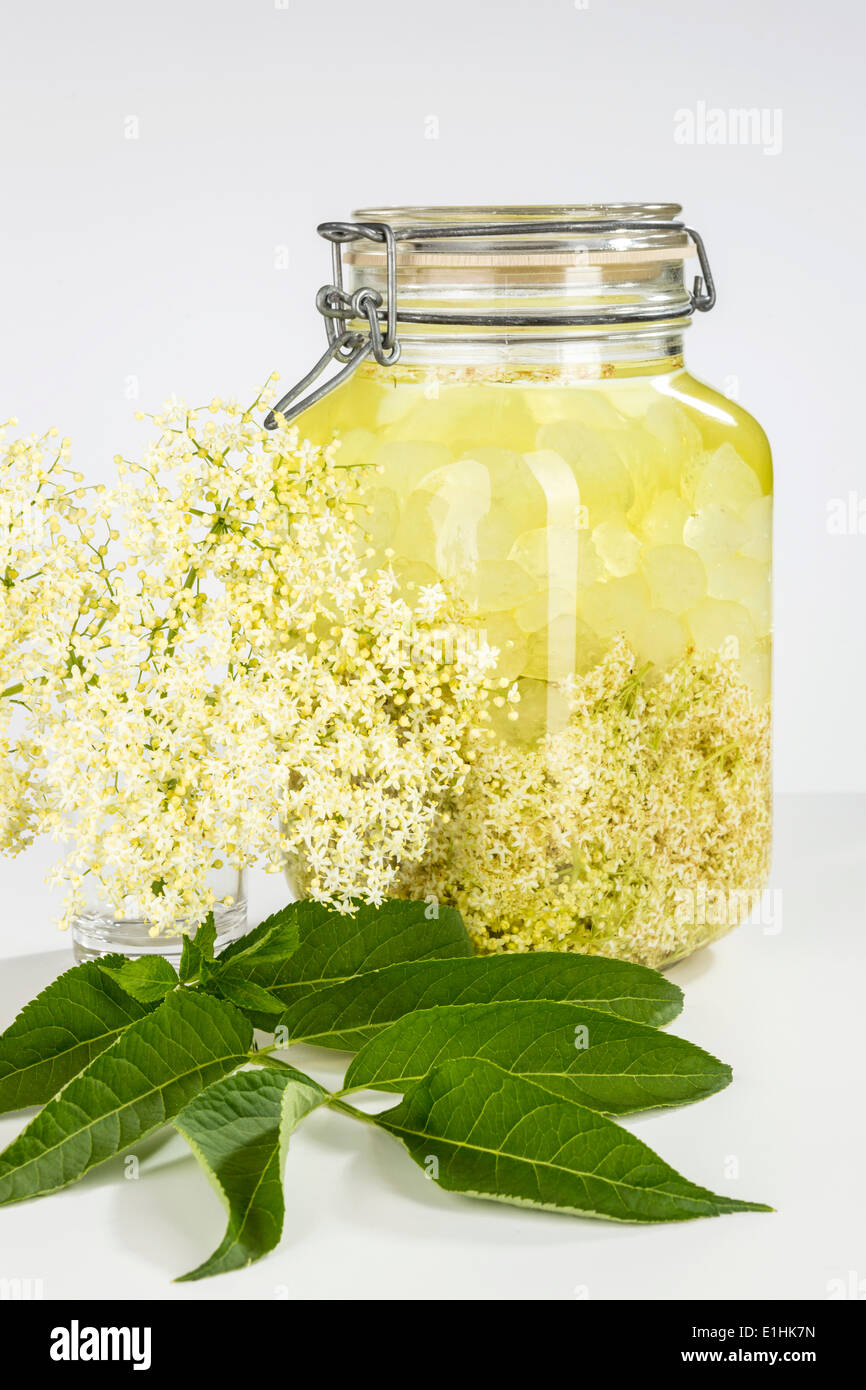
348,346
704,287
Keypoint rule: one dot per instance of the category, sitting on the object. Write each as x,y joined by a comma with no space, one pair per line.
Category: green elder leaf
334,946
197,950
603,1062
270,943
69,1023
482,1131
152,1071
345,1015
148,978
192,958
238,1129
205,937
232,985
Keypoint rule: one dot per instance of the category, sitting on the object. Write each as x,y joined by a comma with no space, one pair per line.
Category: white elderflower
585,839
52,582
215,678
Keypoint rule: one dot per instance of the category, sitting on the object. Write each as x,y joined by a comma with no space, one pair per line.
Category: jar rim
544,234
492,212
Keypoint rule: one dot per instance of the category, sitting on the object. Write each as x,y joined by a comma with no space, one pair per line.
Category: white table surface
784,1008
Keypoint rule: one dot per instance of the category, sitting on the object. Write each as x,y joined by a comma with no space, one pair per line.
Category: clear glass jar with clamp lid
516,375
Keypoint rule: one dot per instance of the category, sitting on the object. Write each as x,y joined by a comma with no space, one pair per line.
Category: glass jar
605,520
101,929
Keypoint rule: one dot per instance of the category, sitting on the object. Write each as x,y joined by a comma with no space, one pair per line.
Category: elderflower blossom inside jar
516,378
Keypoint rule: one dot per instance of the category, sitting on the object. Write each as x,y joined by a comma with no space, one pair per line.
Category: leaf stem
332,1098
337,1104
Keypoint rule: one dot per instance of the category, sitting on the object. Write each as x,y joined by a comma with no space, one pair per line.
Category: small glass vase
98,931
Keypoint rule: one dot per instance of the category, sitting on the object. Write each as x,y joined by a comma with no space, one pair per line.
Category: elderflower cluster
241,688
53,537
586,838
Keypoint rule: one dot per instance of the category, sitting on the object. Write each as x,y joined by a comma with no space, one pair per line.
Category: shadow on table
22,977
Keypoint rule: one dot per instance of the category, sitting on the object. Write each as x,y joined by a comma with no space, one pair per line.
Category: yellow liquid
611,538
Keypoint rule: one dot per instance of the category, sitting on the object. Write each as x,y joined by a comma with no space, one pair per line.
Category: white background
163,169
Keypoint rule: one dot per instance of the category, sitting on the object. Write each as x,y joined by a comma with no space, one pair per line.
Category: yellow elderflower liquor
515,377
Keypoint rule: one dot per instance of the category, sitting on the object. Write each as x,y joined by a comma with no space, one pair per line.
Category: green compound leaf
345,1015
239,1131
482,1131
148,979
153,1070
335,946
606,1063
76,1017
